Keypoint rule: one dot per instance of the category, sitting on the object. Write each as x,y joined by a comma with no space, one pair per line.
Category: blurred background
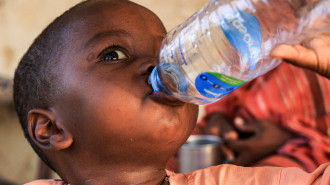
20,22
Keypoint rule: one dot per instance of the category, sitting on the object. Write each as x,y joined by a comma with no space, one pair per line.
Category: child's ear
46,132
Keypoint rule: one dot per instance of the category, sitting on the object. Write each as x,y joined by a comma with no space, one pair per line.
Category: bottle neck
155,82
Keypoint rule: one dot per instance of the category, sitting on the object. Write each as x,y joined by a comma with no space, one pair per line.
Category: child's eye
114,54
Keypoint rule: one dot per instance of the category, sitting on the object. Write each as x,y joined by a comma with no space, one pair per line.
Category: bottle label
242,30
215,85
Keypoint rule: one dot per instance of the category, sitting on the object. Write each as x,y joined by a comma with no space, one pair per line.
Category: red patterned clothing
294,98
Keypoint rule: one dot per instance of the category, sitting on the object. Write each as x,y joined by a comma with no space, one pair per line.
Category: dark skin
109,127
313,54
246,142
56,130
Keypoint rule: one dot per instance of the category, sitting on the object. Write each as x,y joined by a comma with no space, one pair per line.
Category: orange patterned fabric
235,175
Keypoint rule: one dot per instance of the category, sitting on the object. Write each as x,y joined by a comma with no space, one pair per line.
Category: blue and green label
242,30
215,85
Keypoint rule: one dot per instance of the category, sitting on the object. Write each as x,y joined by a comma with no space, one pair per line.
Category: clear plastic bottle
227,43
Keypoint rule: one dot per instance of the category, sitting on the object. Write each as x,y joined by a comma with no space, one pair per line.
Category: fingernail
239,121
231,135
277,52
230,159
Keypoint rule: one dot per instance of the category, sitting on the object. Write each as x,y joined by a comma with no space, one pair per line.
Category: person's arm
313,54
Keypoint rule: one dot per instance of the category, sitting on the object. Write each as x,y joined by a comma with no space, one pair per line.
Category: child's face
107,105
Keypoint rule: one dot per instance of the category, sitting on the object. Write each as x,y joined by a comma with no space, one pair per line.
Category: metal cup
199,151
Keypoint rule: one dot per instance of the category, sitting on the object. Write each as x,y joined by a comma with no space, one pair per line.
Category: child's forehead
103,17
113,7
119,13
104,14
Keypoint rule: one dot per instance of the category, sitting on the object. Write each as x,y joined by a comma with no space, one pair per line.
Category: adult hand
266,137
47,182
219,125
313,54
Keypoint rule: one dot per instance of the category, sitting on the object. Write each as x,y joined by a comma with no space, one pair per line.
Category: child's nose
150,69
146,67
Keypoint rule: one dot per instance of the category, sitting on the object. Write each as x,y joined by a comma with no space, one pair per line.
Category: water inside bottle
210,63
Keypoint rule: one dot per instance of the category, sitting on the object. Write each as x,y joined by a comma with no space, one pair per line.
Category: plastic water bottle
227,44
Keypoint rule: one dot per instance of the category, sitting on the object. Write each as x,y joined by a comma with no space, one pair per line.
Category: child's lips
165,99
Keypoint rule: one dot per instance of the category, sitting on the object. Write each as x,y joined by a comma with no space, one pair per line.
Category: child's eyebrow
109,33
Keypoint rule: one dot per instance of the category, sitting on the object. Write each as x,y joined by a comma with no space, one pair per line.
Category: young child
85,106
